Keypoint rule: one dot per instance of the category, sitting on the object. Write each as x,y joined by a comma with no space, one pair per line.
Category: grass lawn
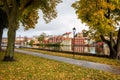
108,61
27,67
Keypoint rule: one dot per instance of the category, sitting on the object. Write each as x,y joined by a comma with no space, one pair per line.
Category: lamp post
20,39
74,30
88,41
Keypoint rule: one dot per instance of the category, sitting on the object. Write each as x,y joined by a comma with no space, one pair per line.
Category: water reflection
80,49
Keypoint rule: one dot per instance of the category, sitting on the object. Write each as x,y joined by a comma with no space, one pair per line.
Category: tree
25,12
102,17
25,41
41,38
85,33
3,23
91,34
31,43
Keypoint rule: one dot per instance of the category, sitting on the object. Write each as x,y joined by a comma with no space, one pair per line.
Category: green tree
102,17
85,33
31,43
25,12
41,39
25,41
3,23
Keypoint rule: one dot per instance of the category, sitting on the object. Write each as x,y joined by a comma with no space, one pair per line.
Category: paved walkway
87,64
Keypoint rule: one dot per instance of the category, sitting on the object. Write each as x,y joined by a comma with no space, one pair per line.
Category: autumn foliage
102,17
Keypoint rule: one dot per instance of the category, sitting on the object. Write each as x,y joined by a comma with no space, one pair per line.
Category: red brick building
78,41
56,39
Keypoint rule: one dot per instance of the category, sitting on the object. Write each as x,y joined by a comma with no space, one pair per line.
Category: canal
104,50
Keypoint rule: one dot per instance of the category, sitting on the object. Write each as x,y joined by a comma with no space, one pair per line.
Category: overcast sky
65,22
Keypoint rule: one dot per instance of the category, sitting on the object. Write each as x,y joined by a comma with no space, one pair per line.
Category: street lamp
20,39
74,30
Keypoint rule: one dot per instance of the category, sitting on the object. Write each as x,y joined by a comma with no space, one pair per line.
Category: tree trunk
118,45
9,55
13,24
112,51
111,46
1,32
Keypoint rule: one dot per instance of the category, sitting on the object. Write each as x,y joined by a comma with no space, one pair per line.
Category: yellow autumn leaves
100,15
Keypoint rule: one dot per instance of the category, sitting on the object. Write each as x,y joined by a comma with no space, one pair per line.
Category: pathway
93,65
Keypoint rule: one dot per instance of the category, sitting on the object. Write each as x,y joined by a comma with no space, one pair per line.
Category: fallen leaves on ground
27,67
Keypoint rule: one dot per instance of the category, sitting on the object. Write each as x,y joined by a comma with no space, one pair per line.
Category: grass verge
108,61
27,67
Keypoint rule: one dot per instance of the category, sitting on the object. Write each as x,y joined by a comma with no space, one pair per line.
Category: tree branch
107,15
24,7
6,6
112,40
27,5
103,38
